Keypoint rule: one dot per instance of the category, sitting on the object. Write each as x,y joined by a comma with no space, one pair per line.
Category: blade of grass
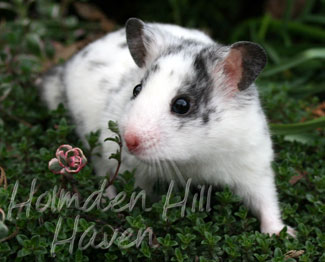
307,139
264,27
297,128
307,9
315,53
315,19
306,91
293,27
253,32
272,53
287,14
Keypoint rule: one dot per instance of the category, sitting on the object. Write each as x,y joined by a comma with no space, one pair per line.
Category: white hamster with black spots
186,106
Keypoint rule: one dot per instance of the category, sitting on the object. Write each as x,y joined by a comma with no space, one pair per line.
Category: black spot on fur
199,87
185,44
205,118
153,69
206,115
128,81
146,76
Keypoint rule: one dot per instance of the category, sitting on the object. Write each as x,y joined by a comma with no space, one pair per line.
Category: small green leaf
49,226
114,139
21,239
110,257
35,240
113,127
4,247
179,255
24,252
116,156
278,252
145,250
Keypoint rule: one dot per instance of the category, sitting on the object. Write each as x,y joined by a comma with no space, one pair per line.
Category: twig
115,174
3,178
5,95
3,214
12,235
111,181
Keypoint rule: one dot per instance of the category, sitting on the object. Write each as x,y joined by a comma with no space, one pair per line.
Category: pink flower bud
68,160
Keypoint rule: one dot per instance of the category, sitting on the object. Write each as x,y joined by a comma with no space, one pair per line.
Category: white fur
235,151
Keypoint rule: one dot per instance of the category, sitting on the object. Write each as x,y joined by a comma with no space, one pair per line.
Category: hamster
187,107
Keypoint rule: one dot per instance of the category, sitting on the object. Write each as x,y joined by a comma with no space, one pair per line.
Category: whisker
178,173
168,173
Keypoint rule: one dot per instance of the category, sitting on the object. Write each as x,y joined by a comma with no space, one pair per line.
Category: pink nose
132,141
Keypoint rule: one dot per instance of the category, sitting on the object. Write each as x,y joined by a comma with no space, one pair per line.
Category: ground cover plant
34,35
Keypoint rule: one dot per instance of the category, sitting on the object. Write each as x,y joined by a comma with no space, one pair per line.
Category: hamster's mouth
154,157
148,155
145,151
142,154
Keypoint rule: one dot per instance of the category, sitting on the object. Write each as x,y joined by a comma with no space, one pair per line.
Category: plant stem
111,181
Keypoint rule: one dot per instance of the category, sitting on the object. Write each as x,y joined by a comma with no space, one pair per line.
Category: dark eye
137,90
181,105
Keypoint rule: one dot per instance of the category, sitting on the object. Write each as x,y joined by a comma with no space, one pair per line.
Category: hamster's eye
181,105
137,90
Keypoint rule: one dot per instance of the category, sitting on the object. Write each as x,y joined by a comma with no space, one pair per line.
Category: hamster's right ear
143,41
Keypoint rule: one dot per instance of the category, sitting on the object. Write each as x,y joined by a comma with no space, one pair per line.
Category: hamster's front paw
276,229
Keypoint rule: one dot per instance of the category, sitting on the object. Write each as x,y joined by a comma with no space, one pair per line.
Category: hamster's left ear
244,63
144,41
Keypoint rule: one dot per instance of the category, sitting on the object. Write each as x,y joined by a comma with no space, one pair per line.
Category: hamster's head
190,100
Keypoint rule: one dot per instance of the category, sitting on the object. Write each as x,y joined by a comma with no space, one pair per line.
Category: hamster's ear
244,63
142,41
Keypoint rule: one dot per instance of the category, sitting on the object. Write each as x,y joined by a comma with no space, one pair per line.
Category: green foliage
30,135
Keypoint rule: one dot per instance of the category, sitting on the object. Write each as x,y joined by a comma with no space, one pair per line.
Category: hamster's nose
132,141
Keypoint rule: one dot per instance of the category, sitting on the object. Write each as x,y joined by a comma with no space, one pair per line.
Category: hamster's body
223,136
